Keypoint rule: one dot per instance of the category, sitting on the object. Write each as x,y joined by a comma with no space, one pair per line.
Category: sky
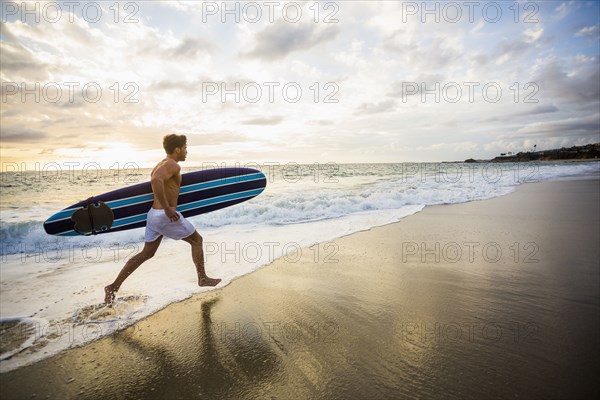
295,82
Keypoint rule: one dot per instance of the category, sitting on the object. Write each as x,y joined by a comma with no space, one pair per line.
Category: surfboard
201,192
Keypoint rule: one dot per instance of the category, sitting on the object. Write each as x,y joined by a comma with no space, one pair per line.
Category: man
163,219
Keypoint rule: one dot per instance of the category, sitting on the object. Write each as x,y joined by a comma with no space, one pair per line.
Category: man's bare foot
208,281
109,294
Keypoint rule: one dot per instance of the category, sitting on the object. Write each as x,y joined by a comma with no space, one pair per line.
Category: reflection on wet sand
151,363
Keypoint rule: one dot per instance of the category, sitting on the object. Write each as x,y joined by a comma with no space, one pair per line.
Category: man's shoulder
175,166
167,166
170,164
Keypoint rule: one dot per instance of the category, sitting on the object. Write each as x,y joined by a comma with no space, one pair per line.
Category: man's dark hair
172,141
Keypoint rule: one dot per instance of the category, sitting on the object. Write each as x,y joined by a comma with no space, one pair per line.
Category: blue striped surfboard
200,192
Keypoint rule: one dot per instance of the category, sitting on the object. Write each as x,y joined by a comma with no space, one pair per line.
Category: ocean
52,287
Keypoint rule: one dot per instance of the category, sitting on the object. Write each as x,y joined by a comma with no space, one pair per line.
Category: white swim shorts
157,223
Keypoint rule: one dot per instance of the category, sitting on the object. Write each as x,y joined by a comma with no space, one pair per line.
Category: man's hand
171,213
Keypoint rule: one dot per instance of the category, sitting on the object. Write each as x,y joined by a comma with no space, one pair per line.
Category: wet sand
487,299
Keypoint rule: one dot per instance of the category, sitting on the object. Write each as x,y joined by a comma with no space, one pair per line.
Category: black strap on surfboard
93,218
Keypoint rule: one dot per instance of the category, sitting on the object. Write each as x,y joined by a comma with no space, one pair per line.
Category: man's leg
131,265
198,256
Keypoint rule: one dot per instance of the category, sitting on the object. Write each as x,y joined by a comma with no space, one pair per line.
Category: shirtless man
163,219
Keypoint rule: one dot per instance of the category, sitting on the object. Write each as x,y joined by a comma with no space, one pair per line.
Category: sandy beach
487,299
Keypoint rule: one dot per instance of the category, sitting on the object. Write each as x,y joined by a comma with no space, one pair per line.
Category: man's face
182,153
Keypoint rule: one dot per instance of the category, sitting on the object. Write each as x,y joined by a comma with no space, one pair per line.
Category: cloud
189,48
582,85
532,35
55,121
198,84
561,11
69,136
78,101
21,135
479,59
280,39
58,39
18,61
211,139
375,108
541,109
588,31
588,126
321,122
164,48
512,50
9,113
168,84
264,121
186,6
426,81
7,33
436,56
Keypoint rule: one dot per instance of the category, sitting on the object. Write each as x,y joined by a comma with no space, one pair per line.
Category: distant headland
589,152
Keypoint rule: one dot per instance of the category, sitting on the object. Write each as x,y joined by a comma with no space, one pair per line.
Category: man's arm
162,174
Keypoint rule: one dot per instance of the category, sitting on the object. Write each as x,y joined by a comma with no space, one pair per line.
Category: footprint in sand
121,308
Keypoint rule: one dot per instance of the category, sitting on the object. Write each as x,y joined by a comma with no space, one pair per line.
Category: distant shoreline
570,160
589,152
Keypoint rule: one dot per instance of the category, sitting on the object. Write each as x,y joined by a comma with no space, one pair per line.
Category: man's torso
172,186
